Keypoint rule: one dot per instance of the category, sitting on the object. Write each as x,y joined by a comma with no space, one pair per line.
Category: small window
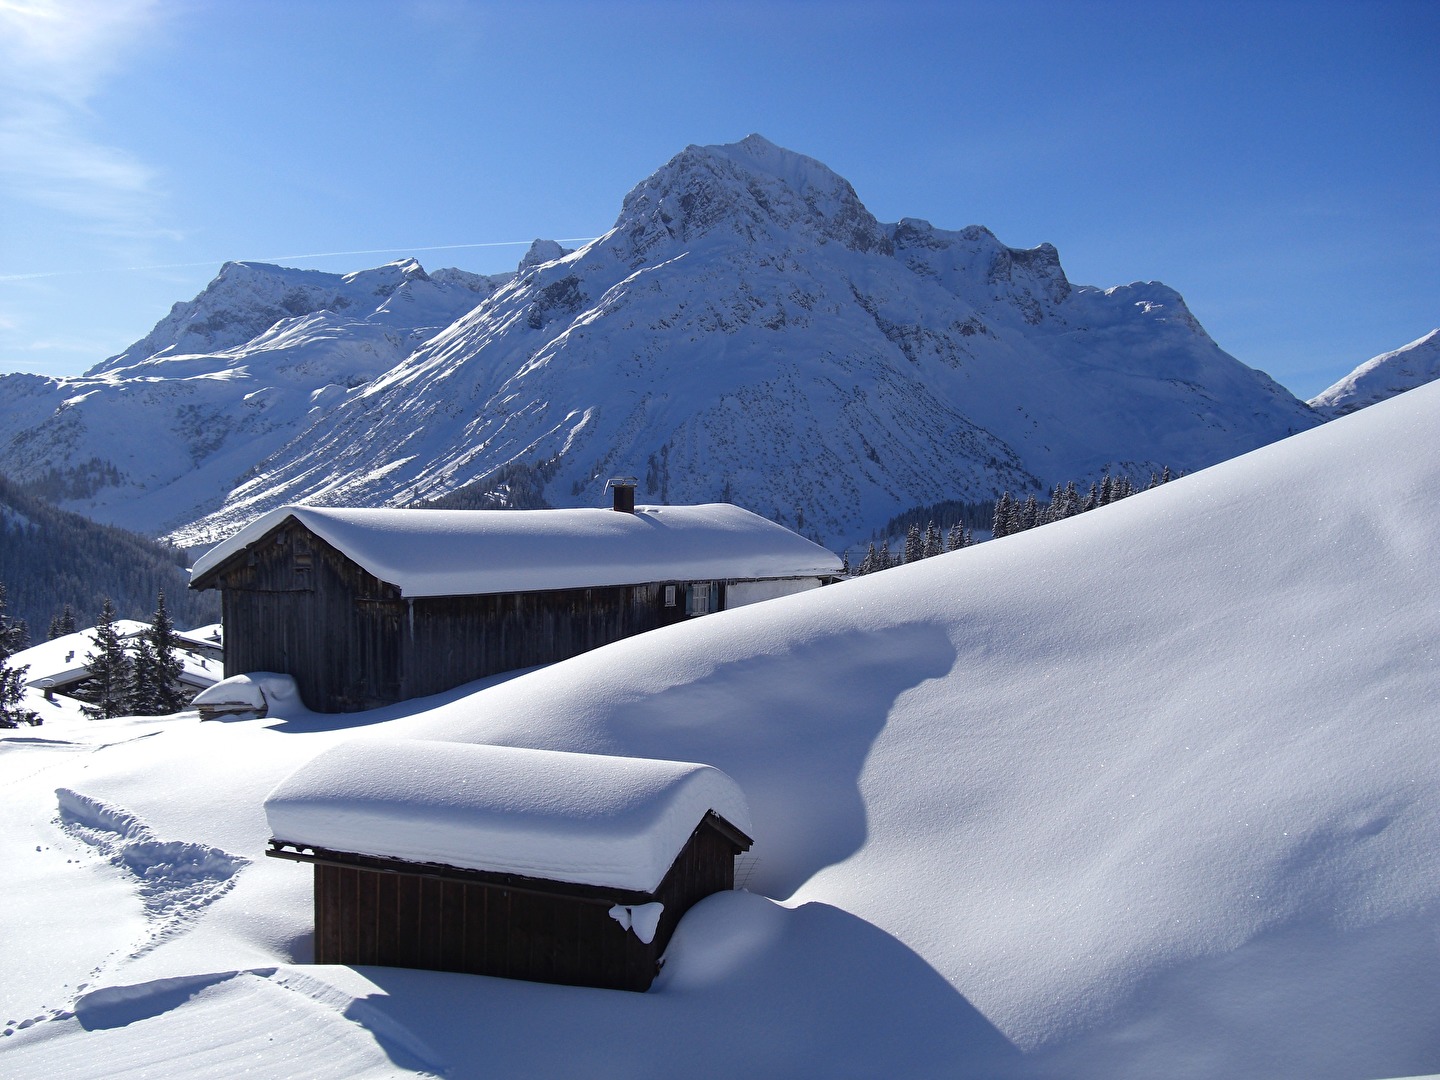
669,595
698,599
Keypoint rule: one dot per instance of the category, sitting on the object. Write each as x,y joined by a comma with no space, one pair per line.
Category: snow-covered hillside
1383,377
747,331
1147,792
156,436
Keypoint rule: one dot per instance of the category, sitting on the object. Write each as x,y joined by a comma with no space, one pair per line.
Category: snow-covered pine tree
13,634
955,538
62,624
1029,513
884,559
914,545
932,544
1004,515
108,688
12,679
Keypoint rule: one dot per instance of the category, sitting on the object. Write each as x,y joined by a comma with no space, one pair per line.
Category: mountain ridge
746,330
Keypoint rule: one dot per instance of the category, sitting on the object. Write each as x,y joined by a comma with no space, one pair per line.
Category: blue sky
1278,163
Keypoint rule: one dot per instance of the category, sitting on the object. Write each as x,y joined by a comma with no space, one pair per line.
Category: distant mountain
746,331
50,558
1383,377
157,436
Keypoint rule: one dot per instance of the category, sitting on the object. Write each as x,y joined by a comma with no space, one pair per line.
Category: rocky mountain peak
745,190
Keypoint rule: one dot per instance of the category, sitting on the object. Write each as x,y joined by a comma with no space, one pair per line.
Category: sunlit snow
1148,792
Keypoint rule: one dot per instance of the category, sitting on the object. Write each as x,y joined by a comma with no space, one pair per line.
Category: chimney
624,493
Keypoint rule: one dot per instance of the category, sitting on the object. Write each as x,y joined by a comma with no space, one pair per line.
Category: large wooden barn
492,860
364,607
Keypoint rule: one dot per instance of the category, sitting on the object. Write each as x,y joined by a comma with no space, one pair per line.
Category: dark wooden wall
294,604
512,928
407,920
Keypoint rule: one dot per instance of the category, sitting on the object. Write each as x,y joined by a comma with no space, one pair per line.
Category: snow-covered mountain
157,436
1383,377
746,331
1148,792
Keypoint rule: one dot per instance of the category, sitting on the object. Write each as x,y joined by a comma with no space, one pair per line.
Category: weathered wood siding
455,639
510,928
294,604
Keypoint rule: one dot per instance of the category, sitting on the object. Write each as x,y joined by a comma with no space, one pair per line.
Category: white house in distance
364,607
60,665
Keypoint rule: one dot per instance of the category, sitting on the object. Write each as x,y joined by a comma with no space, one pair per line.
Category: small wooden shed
525,864
366,607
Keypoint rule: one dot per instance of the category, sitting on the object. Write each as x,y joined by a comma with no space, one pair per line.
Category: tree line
1008,515
51,559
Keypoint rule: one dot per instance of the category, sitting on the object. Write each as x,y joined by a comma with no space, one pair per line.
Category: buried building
494,860
365,607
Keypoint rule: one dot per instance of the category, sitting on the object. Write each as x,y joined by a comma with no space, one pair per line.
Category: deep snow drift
1147,792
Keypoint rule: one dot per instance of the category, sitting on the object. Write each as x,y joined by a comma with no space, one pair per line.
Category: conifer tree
165,694
932,544
108,688
12,679
1004,513
913,544
884,560
1029,513
871,562
62,624
954,539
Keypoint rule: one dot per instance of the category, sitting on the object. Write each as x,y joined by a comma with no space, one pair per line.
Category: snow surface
263,692
472,552
586,818
1148,792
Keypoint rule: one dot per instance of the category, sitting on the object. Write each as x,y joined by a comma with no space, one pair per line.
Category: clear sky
1278,163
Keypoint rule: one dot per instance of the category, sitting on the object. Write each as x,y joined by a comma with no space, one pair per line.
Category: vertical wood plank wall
295,605
365,916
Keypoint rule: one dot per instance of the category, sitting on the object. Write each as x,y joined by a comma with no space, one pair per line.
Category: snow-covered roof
582,818
469,552
61,660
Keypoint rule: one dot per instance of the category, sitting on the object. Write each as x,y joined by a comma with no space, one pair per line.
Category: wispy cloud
55,58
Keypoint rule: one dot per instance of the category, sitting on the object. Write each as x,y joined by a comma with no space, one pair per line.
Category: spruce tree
62,624
12,679
165,693
107,690
932,544
1004,512
871,562
913,544
955,538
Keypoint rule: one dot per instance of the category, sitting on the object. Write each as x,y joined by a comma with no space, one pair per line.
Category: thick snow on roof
585,818
468,552
62,660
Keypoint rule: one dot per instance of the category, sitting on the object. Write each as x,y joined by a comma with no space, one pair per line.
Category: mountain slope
1147,792
1383,377
50,558
746,331
156,436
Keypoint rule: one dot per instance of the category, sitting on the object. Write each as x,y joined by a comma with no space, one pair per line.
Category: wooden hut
526,864
365,607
